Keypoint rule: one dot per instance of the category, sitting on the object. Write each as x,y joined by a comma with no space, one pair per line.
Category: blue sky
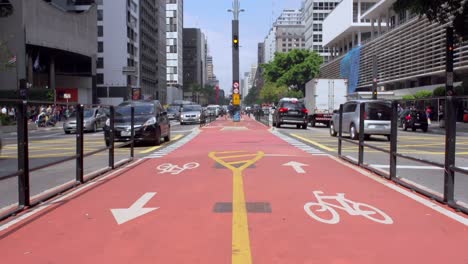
212,18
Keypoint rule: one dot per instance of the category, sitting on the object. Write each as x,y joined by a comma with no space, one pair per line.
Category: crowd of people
42,115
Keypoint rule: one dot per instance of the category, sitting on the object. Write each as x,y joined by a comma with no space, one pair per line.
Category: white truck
322,96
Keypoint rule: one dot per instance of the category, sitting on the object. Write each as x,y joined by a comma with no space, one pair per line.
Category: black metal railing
24,169
448,167
210,117
262,117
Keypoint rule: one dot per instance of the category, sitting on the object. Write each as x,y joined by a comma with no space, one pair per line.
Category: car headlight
108,122
150,122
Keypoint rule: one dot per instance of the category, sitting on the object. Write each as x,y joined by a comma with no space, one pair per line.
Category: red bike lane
194,213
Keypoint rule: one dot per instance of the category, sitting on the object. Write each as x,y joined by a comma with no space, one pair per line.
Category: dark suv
414,119
290,111
151,122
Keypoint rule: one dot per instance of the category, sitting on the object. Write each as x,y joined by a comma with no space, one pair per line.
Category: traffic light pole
235,61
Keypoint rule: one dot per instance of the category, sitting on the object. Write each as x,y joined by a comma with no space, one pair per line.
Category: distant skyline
214,20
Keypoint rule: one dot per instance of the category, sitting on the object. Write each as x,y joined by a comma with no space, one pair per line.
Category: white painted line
407,193
46,205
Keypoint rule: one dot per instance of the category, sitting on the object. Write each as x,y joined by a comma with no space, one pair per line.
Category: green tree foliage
295,94
293,69
423,94
272,92
439,91
408,97
253,96
439,11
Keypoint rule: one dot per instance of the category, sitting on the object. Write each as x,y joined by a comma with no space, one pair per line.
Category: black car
290,111
414,119
151,122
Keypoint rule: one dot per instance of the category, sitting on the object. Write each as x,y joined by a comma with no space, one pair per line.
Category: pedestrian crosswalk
165,151
298,144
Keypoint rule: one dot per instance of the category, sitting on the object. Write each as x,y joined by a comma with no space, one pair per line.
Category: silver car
191,114
94,119
377,117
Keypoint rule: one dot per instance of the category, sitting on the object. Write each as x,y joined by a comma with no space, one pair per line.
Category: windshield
141,109
88,113
189,108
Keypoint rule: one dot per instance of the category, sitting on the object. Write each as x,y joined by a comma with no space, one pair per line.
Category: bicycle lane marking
376,223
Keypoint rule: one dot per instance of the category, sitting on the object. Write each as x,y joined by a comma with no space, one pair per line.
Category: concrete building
410,51
286,34
314,12
174,49
193,62
153,49
51,48
119,33
135,29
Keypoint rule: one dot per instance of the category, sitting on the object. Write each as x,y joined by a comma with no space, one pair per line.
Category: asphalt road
52,144
417,144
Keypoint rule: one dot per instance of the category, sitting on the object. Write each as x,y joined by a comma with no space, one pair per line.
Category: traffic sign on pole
236,99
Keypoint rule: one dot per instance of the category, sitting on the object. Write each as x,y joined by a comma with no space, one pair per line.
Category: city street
238,192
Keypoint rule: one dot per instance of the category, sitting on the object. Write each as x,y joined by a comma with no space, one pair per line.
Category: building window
100,78
100,31
100,63
100,14
100,46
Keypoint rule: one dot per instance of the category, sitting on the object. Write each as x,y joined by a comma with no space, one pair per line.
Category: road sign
235,85
236,99
236,90
66,96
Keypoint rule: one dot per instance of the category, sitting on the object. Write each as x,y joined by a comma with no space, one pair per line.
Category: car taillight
283,110
408,117
305,111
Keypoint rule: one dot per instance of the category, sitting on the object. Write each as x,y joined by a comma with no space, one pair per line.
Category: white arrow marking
297,166
136,210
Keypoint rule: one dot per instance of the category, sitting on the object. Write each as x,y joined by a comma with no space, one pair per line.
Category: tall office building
286,34
314,12
134,29
118,33
153,49
174,49
193,64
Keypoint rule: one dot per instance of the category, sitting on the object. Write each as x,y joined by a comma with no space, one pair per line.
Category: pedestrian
428,114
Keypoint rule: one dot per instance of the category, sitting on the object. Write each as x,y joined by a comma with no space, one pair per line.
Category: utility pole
235,59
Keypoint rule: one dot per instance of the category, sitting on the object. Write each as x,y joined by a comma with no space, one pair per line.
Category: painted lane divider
124,215
322,210
236,162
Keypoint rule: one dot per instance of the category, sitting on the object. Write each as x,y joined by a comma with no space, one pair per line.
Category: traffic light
235,41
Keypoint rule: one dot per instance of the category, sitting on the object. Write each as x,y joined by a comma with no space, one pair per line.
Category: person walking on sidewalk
428,114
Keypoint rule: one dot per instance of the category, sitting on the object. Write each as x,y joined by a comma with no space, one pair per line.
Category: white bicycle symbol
352,208
174,169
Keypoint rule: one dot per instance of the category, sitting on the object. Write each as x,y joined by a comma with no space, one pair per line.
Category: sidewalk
239,193
462,129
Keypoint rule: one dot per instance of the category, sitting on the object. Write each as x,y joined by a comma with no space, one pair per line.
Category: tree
293,69
253,96
439,91
423,94
272,92
441,11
